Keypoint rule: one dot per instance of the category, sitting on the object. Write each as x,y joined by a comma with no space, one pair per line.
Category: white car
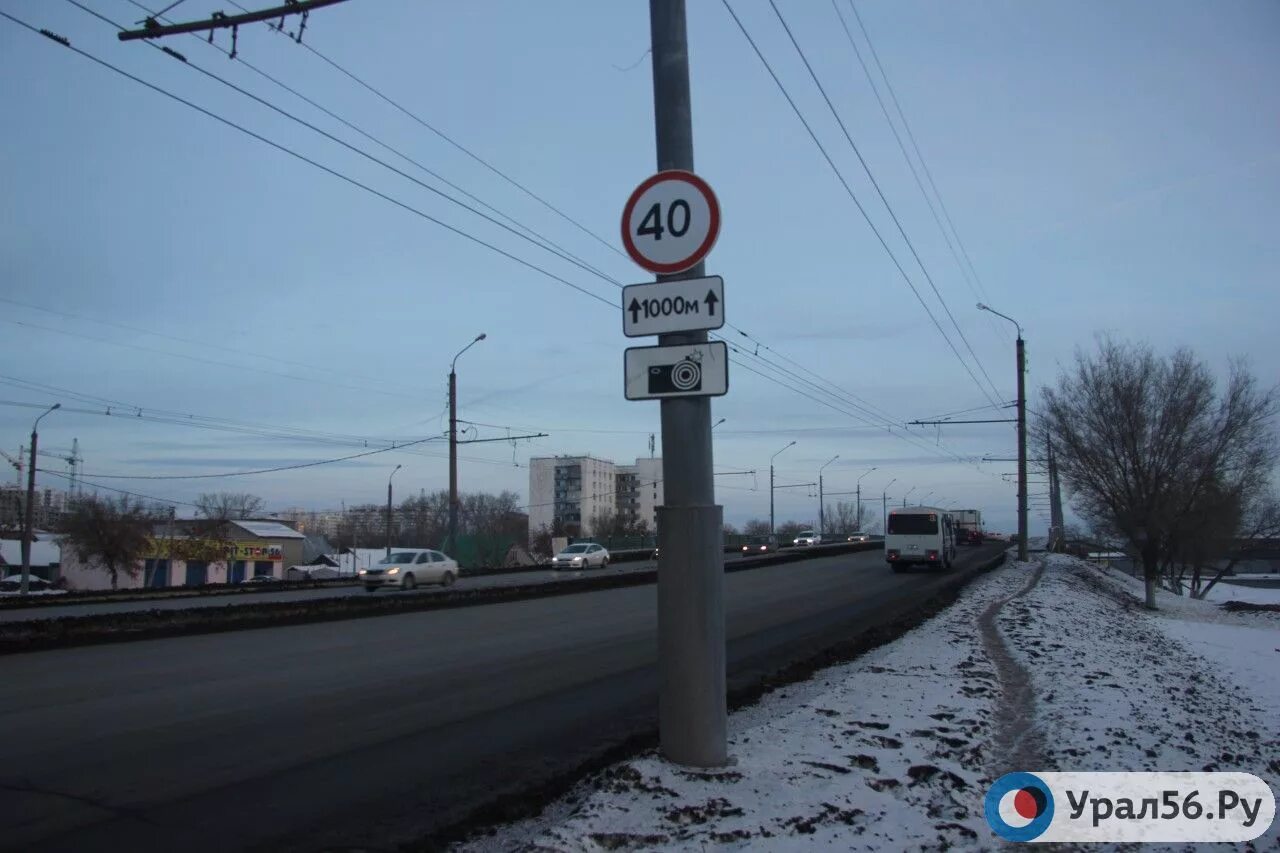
405,568
12,585
807,537
582,555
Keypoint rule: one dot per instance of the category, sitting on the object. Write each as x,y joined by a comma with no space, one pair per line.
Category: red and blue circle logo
1019,807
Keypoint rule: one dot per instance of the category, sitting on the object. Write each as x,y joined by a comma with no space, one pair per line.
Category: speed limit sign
670,222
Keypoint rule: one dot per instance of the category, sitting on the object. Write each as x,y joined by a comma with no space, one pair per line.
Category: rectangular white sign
686,370
658,307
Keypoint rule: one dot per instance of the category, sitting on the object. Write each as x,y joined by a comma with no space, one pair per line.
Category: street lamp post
393,473
1022,433
907,492
884,506
822,526
717,423
859,491
771,458
453,443
28,525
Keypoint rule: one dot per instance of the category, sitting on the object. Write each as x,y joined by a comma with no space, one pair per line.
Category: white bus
919,534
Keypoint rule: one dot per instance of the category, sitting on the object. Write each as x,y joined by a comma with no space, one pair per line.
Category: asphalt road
370,731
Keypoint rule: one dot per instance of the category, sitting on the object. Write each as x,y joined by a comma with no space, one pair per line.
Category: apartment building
574,490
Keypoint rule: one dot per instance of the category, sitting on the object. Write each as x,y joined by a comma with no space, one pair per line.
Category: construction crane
72,458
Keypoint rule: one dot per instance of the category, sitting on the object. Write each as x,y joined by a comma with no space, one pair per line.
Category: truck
968,524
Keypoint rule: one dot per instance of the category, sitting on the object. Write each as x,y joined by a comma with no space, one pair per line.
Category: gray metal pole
771,499
29,516
692,713
1022,451
28,526
822,527
453,462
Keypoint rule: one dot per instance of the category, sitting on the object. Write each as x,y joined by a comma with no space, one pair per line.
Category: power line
143,331
892,214
923,163
337,174
915,173
118,491
354,149
314,163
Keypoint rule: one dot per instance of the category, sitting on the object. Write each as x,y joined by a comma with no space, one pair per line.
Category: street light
907,492
717,423
1022,432
858,489
771,458
822,528
453,441
29,514
393,473
884,505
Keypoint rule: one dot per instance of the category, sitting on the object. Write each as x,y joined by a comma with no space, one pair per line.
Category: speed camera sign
670,222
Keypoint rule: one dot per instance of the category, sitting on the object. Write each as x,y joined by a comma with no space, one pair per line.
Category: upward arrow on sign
711,299
634,308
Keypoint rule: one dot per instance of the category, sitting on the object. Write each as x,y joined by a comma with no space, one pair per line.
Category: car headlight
363,572
394,571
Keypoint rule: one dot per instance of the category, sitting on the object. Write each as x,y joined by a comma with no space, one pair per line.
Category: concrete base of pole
692,710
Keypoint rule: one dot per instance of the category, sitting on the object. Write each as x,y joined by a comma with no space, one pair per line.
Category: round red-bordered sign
670,222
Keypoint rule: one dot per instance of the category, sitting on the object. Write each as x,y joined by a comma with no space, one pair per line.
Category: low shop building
185,554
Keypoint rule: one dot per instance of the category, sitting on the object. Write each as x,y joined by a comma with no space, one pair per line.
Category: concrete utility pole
884,506
28,525
692,713
453,445
858,487
822,527
393,473
1022,434
771,458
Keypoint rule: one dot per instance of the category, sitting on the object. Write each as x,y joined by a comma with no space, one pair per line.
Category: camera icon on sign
683,376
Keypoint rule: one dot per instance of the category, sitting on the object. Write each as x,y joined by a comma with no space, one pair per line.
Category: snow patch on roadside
888,752
1190,687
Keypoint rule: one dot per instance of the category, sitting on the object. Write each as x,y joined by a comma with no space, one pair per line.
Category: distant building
575,490
180,557
50,506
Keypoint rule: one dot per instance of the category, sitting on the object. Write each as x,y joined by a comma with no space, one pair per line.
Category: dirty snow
896,750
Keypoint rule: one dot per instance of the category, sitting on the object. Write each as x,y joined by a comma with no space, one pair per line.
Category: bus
919,534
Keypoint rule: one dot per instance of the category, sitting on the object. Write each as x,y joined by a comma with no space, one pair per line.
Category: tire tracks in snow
1017,741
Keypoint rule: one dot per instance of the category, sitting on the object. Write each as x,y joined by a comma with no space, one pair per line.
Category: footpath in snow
1050,666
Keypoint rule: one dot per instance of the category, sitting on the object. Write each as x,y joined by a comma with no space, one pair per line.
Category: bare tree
730,530
843,517
228,506
789,529
1261,522
756,527
1146,443
115,534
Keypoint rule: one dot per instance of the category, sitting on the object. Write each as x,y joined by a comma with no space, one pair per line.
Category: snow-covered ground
896,750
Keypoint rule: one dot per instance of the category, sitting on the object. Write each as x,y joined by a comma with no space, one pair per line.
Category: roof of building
268,529
44,552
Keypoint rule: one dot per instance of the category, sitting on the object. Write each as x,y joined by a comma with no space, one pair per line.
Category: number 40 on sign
670,222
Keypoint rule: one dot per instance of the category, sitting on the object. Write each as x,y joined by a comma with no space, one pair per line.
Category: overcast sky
1110,167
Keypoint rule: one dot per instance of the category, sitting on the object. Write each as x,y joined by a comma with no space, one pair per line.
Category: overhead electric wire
83,482
314,163
337,174
888,207
548,242
849,190
143,331
875,55
355,149
476,157
915,173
